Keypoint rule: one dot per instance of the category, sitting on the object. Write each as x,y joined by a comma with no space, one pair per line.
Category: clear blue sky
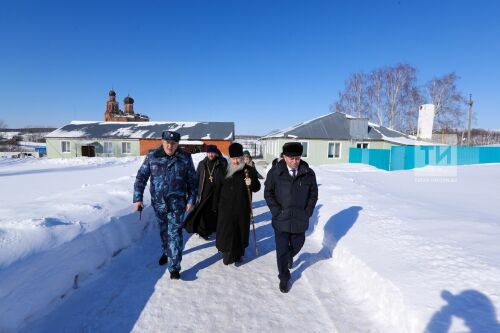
262,64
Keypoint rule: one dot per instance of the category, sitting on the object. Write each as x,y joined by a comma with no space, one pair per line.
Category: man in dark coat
291,193
173,187
233,223
276,160
211,170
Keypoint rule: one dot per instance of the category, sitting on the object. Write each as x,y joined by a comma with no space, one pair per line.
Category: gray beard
231,169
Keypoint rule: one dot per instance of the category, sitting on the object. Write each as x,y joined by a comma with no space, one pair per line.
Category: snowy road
133,293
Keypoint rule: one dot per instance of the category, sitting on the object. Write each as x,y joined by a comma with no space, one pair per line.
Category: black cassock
203,218
233,222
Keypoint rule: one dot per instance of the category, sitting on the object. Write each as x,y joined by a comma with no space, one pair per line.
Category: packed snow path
133,293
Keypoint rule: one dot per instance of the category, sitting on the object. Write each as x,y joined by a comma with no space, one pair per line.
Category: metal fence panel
410,157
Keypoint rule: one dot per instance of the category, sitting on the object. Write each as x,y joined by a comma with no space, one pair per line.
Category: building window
362,145
108,147
65,146
305,150
334,150
125,147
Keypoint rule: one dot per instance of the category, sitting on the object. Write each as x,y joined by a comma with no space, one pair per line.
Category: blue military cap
170,136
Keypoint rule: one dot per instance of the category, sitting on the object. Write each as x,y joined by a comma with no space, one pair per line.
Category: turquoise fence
410,157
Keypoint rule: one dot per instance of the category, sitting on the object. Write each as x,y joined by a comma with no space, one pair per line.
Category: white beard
231,169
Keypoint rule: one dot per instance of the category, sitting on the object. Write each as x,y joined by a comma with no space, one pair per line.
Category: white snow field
405,251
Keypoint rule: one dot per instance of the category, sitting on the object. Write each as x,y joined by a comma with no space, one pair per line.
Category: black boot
238,261
284,286
163,260
175,275
205,237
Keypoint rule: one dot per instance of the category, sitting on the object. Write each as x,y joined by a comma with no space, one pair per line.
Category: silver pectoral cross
211,179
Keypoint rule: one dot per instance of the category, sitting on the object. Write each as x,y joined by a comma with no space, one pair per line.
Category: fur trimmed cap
292,149
235,150
170,136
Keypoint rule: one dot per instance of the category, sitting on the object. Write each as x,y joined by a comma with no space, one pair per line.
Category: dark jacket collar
218,161
302,169
160,152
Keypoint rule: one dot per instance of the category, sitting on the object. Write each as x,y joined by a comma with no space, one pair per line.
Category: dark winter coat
173,180
233,223
290,200
252,164
205,194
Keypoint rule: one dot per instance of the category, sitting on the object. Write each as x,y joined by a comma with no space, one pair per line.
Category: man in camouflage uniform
173,187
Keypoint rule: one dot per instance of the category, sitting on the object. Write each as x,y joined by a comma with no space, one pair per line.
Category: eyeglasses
294,158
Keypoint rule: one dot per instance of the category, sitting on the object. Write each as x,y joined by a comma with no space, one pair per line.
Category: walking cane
251,214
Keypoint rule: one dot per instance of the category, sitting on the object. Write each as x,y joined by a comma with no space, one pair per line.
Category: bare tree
449,102
375,95
353,100
409,122
390,96
400,90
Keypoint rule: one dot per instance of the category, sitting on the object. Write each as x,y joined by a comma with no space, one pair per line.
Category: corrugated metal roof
337,126
145,130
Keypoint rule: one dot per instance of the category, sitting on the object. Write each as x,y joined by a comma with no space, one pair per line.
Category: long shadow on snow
265,235
264,232
335,228
190,273
473,307
258,204
265,243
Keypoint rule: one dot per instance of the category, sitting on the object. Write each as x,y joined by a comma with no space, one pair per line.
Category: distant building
94,138
327,139
450,139
113,112
251,143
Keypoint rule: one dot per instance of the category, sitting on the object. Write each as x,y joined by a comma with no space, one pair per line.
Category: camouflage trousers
171,238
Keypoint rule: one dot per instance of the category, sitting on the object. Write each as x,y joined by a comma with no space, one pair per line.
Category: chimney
425,121
358,128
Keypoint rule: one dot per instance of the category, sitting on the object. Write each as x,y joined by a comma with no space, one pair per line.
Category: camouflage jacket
173,179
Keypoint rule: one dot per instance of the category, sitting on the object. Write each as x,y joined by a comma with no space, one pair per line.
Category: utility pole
470,118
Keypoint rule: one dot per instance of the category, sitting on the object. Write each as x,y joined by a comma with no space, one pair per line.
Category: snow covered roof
340,126
145,130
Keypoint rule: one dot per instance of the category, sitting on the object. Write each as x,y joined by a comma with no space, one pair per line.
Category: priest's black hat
235,150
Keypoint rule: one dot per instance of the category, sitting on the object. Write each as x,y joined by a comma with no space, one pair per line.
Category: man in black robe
211,170
234,197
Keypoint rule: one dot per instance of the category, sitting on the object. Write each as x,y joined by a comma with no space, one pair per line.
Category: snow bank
421,255
62,220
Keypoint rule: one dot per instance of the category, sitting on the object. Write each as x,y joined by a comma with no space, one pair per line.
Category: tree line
390,96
